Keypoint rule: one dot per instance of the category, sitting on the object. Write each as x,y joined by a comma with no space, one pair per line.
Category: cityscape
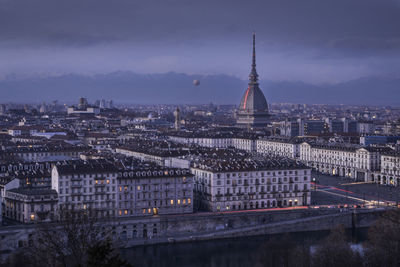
230,172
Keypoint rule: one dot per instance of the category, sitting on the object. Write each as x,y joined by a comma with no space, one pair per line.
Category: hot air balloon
196,82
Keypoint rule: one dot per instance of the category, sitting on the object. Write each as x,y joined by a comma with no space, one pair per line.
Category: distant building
24,130
284,147
378,139
366,127
253,108
177,115
289,128
346,160
83,108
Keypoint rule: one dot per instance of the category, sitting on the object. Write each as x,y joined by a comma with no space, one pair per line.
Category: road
340,190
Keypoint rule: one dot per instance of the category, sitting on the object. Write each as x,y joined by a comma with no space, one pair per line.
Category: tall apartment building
87,185
233,182
155,190
123,188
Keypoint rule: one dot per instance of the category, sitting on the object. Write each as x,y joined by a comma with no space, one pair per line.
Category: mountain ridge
178,88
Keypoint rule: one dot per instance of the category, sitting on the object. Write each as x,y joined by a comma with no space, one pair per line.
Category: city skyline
164,133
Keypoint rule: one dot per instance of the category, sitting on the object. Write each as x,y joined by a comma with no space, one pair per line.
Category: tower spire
253,77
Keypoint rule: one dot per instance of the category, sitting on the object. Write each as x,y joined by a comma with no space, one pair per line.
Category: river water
237,252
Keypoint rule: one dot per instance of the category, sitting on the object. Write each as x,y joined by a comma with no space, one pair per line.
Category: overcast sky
318,41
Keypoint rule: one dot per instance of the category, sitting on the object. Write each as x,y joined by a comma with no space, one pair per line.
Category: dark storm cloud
299,30
339,24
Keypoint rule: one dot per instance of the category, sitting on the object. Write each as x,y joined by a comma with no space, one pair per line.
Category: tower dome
253,108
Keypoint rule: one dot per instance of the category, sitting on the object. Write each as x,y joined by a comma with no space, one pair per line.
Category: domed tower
253,108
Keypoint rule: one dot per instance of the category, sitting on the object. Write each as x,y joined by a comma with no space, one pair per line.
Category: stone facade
87,186
256,189
30,205
167,191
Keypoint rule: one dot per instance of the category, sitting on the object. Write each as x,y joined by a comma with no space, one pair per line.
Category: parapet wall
205,226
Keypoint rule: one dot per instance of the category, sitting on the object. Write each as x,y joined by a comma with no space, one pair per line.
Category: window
172,202
179,201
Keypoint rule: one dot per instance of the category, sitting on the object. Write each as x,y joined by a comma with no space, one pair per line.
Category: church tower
253,108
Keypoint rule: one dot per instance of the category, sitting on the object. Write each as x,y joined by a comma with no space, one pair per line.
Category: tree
283,252
335,250
383,248
102,254
75,240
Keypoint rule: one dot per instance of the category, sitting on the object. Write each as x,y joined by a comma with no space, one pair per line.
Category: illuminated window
138,188
179,201
84,206
149,210
172,202
227,207
189,201
184,201
126,212
96,181
108,181
125,188
32,217
120,212
184,179
120,188
144,210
